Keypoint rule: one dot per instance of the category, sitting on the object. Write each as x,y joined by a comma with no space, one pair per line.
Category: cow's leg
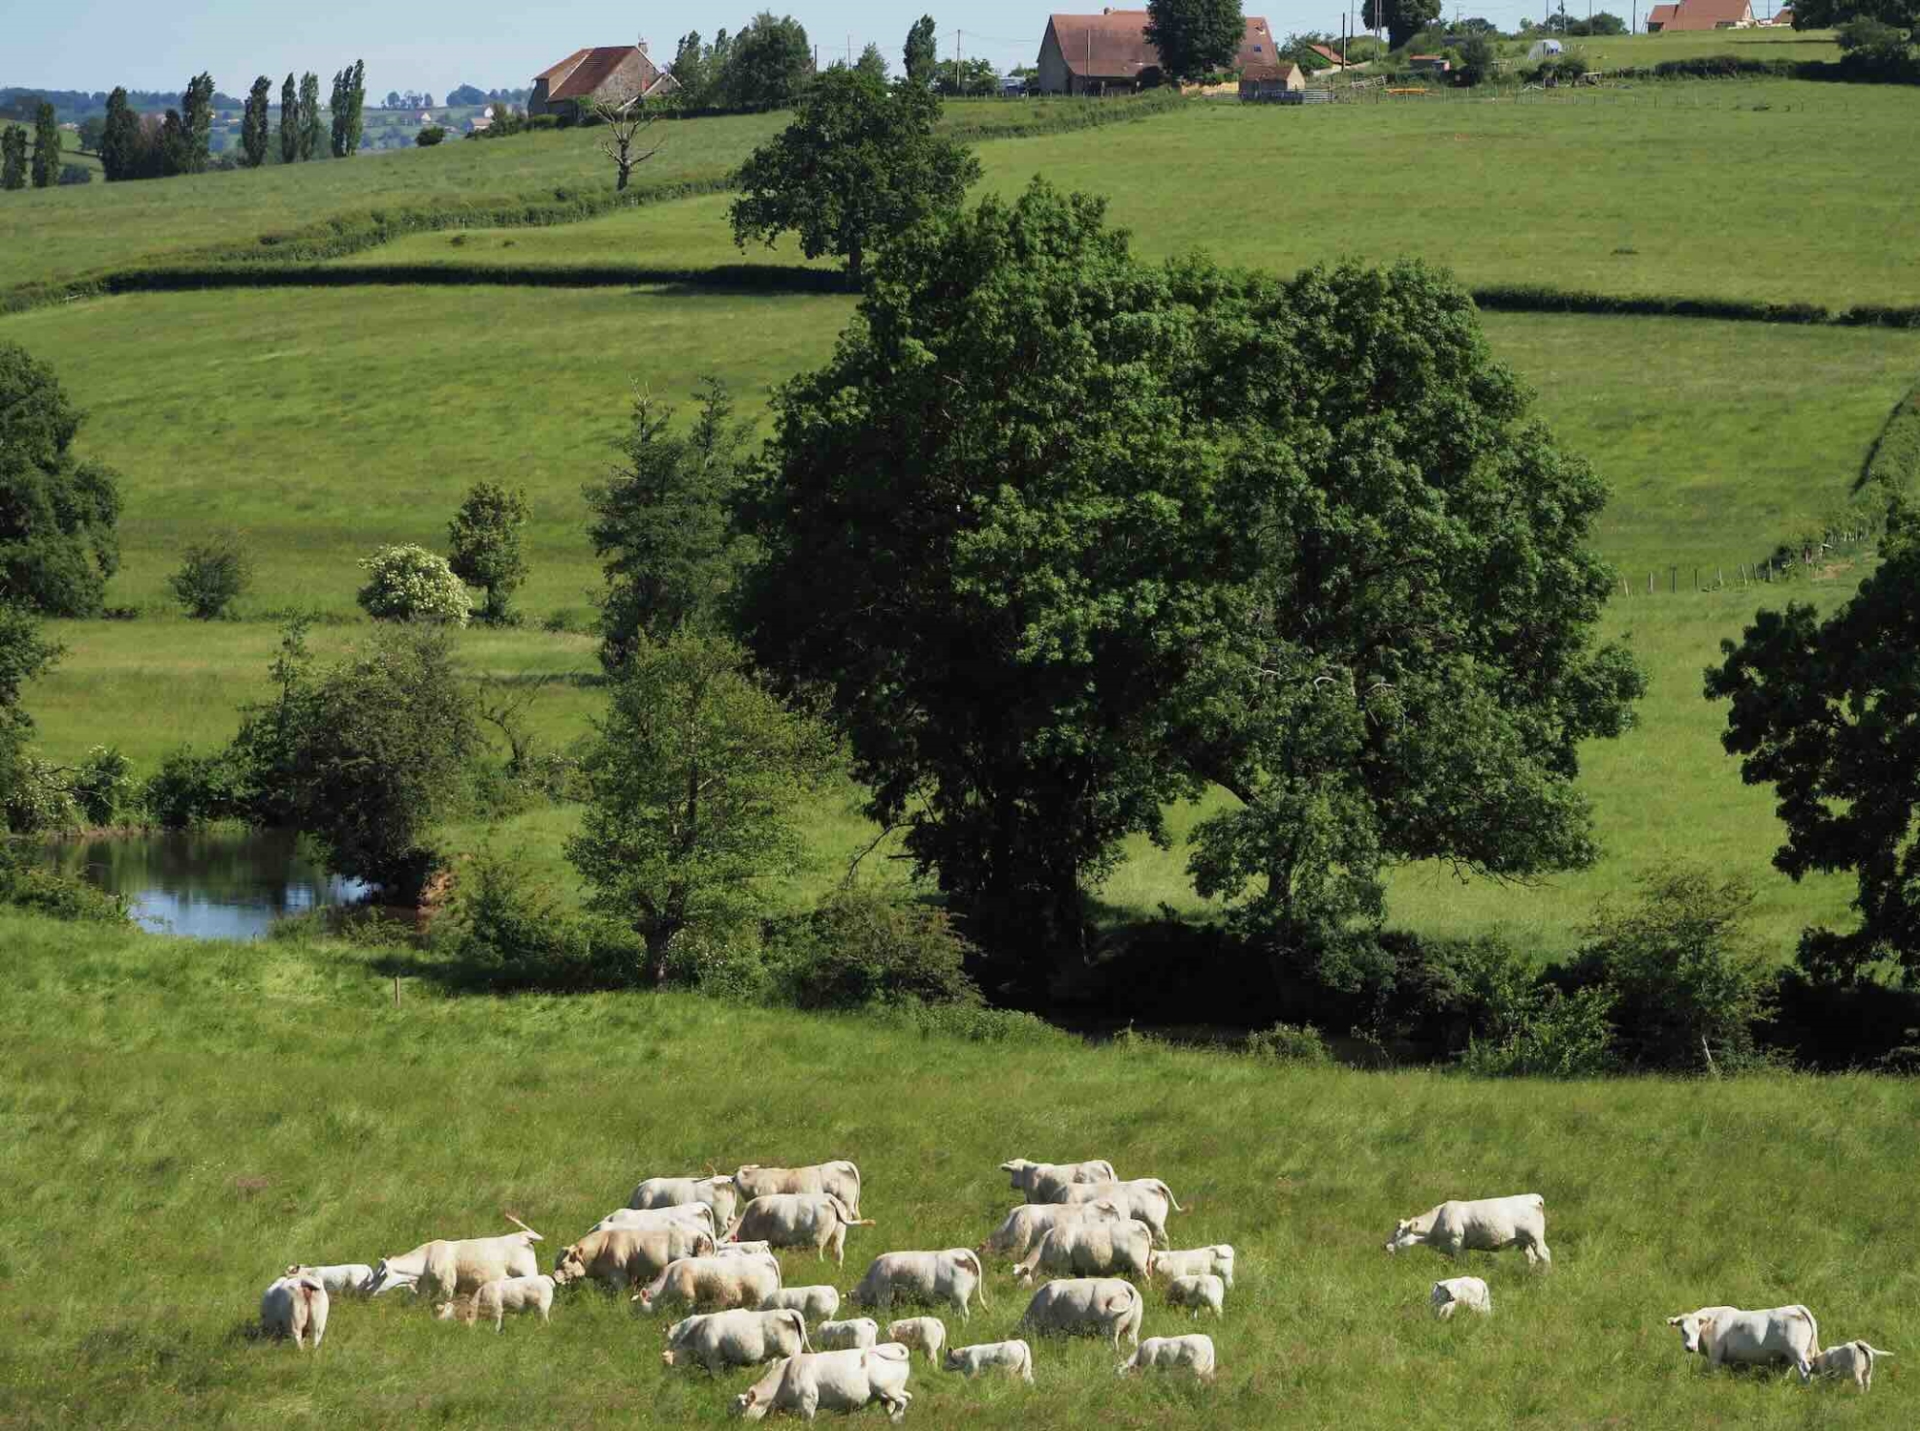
1803,1366
809,1403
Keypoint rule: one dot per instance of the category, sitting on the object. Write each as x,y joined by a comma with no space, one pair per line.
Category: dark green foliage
660,522
213,574
26,882
1289,1043
13,157
189,134
974,78
861,947
1547,1035
57,514
1194,37
921,52
309,115
1873,45
872,62
859,164
74,174
1836,14
190,790
1824,711
101,784
254,124
701,70
768,64
429,136
349,98
1477,61
506,930
265,750
92,130
46,147
289,120
25,654
1402,19
121,144
484,550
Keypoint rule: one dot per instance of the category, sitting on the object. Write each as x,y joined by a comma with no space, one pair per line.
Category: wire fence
1813,559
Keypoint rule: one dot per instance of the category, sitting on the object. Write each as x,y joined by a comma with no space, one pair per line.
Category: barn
1098,54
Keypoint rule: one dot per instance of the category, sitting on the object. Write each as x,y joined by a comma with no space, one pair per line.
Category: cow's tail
1813,1350
1167,1192
532,1236
800,1321
967,1254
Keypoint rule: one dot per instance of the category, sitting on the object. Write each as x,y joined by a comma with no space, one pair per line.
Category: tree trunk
625,169
854,258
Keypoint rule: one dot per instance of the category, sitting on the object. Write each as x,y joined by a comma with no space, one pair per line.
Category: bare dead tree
625,124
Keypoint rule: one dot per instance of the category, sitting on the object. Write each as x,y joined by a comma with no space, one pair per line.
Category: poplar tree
289,120
253,127
196,123
13,157
309,115
120,146
46,147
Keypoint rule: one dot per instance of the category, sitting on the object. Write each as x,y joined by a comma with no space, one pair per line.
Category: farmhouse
1700,15
1091,54
614,74
1271,82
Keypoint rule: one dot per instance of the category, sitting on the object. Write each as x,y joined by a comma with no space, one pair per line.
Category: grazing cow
1042,1182
719,1340
1727,1334
1486,1224
340,1278
395,1282
816,1304
816,1220
696,1213
1456,1292
1031,1221
715,1283
1088,1306
1194,1262
717,1192
623,1256
927,1333
834,1381
1200,1293
842,1336
842,1179
446,1268
950,1276
1090,1249
1147,1199
1172,1353
512,1294
296,1307
1014,1357
743,1249
1854,1359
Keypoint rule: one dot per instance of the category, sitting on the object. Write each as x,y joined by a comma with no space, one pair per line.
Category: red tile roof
1660,14
595,68
1708,15
1114,45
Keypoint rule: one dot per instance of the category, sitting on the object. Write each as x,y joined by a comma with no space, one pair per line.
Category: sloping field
1616,51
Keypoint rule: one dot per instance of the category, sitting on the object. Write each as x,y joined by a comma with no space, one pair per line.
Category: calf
340,1278
1199,1293
1042,1182
950,1276
927,1333
816,1220
1194,1262
853,1333
1854,1359
512,1294
296,1307
1015,1358
1727,1334
718,1340
816,1304
1087,1306
1194,1351
1455,1292
715,1283
1486,1224
832,1381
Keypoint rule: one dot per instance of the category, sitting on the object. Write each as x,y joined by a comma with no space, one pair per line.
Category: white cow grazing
833,1381
1486,1224
1171,1353
1090,1249
950,1276
840,1178
1854,1359
1216,1260
717,1192
816,1220
339,1278
627,1256
1199,1293
718,1340
446,1268
927,1333
1031,1221
853,1333
1088,1306
394,1282
1727,1334
697,1213
1148,1199
743,1249
1041,1182
296,1307
816,1304
716,1283
512,1294
1457,1292
1014,1357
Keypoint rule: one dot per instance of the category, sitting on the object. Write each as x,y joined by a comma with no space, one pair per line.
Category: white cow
445,1268
296,1307
816,1304
1014,1357
1216,1260
718,1340
1041,1182
1088,1306
717,1192
1485,1224
1854,1359
950,1276
1457,1292
1030,1221
927,1333
853,1333
840,1178
395,1282
816,1220
339,1278
716,1283
834,1381
628,1256
512,1294
1171,1353
1147,1199
697,1213
743,1249
1090,1249
1200,1293
1727,1334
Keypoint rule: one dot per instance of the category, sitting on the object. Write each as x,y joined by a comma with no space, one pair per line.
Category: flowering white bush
412,584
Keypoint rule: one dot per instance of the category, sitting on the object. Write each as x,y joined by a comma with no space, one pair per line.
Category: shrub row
1541,298
1893,463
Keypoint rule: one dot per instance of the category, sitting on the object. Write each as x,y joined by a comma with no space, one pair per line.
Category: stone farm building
613,73
1091,54
1700,15
1271,82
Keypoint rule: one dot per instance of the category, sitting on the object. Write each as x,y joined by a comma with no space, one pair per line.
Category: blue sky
96,44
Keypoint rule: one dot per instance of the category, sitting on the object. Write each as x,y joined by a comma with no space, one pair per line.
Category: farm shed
1091,54
1437,64
1699,15
611,73
1544,49
1272,83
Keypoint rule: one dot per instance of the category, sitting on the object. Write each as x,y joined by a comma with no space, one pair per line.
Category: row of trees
43,169
764,66
136,146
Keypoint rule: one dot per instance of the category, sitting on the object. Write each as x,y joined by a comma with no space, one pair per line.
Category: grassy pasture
244,1106
1621,51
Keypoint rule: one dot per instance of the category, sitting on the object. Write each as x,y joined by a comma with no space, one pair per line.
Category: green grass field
186,1119
1621,51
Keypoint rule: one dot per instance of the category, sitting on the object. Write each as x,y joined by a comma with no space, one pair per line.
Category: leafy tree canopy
484,550
1832,14
57,514
921,51
1195,37
1402,19
768,64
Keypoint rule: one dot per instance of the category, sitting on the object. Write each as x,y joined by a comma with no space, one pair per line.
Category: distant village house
1700,15
1092,54
610,74
1273,83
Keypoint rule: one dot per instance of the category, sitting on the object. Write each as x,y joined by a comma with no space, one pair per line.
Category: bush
213,574
506,931
1289,1043
1562,1036
860,947
1477,61
544,121
190,790
410,583
101,784
39,798
75,174
723,961
429,136
26,883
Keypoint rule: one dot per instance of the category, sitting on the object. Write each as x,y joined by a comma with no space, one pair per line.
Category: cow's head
377,1279
749,1405
667,1358
1019,1170
1403,1237
1693,1327
443,1312
569,1265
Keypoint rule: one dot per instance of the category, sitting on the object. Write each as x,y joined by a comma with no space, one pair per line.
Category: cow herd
706,1248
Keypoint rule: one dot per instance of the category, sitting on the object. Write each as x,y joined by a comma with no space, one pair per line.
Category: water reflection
207,886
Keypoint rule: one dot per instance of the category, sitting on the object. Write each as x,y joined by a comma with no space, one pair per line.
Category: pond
230,885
